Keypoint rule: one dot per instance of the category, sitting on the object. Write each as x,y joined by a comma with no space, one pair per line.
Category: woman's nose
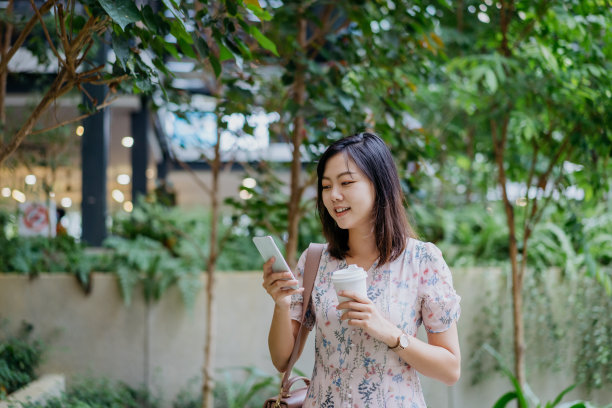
335,194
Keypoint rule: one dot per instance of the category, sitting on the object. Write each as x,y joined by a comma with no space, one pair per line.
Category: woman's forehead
340,164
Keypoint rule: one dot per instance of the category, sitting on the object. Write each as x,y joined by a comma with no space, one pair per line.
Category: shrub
20,356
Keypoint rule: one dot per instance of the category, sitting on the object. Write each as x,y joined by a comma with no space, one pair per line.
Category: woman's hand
361,312
277,284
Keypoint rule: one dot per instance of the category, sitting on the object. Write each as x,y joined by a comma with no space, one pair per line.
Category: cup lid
350,272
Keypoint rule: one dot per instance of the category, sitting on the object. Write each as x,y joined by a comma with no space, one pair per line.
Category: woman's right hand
277,284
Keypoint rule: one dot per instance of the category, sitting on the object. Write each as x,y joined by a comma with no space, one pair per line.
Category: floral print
354,370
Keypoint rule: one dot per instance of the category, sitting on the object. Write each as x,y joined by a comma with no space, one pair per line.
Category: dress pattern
351,368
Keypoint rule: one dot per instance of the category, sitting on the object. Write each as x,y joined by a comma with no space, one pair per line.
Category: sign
37,219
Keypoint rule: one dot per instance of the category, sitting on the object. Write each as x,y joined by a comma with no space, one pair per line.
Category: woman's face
348,195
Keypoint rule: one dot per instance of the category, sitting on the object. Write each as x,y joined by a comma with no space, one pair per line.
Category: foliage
152,247
515,88
593,361
342,67
20,356
522,394
142,38
241,387
560,292
101,393
34,255
468,235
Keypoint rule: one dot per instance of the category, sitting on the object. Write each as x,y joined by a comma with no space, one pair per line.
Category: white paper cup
351,279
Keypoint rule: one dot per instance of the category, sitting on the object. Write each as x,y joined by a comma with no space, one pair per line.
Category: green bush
20,356
239,387
101,393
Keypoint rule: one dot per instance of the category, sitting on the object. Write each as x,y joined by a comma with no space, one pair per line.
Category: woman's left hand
361,312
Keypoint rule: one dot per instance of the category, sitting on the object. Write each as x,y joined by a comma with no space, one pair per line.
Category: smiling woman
366,350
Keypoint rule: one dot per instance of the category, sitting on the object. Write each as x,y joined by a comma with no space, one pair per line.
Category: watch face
404,340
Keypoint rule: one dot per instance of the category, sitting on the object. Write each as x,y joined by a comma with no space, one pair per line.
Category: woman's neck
362,249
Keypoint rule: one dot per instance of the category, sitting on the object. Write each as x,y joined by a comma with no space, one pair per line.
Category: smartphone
268,249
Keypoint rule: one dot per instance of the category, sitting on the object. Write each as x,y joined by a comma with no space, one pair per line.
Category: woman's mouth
341,210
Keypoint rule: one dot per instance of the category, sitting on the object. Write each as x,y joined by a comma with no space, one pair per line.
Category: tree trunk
5,43
499,144
299,132
471,156
208,371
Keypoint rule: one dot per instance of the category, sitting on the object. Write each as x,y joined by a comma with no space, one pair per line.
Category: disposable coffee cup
353,279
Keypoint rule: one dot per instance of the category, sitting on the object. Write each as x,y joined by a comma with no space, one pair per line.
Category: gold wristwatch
403,341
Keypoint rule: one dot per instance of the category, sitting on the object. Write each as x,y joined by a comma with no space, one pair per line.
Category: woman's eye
325,187
346,183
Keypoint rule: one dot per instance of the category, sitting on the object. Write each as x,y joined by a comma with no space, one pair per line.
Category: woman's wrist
391,340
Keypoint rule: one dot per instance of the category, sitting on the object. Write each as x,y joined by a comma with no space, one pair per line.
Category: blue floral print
352,369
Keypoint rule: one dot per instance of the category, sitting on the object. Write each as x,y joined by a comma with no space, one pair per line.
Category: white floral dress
352,369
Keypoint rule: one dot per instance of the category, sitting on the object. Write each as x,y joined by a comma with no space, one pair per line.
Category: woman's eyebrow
344,173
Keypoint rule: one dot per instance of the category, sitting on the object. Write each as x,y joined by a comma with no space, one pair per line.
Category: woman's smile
348,195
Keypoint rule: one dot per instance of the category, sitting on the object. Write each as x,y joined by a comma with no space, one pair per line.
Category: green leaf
214,61
224,53
244,50
254,6
121,49
346,102
75,23
178,30
202,47
562,394
186,48
463,162
232,7
122,12
172,50
264,41
505,399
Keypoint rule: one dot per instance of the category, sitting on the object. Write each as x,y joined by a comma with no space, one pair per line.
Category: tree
141,38
526,87
342,67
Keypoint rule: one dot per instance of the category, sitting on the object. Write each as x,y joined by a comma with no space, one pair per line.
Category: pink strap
313,258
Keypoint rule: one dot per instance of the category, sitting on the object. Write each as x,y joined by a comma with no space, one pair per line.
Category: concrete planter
161,345
39,391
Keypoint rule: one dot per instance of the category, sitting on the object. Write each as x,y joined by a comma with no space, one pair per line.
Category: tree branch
46,32
199,182
52,94
69,121
5,44
23,35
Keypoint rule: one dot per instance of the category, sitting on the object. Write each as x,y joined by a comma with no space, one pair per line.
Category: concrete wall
161,345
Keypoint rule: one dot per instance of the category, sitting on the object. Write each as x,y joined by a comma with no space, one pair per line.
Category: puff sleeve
439,301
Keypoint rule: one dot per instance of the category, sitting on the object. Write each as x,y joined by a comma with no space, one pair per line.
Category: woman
366,352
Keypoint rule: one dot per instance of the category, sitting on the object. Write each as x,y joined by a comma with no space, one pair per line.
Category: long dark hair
391,226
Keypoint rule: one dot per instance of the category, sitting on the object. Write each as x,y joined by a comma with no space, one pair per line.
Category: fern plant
148,262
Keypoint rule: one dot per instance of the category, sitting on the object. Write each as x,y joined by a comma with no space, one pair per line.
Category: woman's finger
352,315
353,305
354,295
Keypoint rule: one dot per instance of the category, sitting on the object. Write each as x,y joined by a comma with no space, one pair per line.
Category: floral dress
352,369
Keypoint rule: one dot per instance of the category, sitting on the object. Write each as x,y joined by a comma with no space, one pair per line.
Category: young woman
366,352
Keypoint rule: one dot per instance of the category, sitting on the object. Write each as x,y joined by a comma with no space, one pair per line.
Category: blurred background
143,144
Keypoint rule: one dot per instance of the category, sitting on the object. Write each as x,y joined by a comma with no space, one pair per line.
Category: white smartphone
268,249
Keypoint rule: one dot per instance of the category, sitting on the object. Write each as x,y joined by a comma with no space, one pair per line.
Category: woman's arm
439,358
280,344
283,330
